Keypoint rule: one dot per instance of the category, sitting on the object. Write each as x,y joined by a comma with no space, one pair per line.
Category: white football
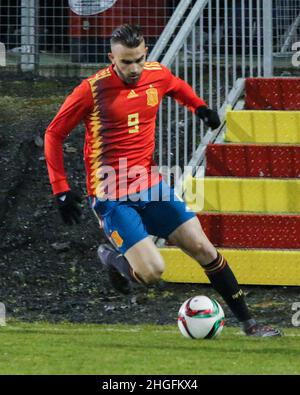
201,317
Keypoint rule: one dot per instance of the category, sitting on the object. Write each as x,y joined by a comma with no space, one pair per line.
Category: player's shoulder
157,67
100,75
153,66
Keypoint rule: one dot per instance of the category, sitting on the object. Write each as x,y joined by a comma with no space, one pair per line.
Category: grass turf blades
43,348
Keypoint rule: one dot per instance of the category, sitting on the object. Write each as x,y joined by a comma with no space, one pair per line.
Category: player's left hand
69,207
208,116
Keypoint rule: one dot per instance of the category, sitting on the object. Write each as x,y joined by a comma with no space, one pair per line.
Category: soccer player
119,105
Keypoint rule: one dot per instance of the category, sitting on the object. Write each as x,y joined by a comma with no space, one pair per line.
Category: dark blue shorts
156,211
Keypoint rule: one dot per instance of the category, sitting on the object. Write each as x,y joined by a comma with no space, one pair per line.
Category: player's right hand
68,206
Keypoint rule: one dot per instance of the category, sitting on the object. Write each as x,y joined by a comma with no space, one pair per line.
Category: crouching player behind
119,105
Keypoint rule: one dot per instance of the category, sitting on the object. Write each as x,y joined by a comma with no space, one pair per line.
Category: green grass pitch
43,348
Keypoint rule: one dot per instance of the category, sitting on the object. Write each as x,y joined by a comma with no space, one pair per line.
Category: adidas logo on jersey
132,94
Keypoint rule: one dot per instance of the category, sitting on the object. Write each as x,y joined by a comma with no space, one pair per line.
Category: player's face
128,62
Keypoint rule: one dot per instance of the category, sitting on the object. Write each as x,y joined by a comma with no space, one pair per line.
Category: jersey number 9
133,123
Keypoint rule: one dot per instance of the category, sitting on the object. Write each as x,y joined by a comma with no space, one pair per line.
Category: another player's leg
190,237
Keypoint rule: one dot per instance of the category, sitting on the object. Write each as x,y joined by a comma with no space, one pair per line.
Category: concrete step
246,195
255,267
272,93
250,160
252,230
273,127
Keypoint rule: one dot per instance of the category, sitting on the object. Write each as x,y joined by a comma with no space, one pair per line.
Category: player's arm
185,95
75,108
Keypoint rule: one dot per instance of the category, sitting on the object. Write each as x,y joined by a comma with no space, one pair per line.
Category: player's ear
146,52
111,57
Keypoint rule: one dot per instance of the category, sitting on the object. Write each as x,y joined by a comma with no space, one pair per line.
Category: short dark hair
130,36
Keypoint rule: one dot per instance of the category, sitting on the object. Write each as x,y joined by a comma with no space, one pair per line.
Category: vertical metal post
2,55
243,22
186,118
194,82
177,146
160,136
234,68
169,143
210,56
250,9
201,69
2,314
218,68
226,49
29,35
258,19
268,37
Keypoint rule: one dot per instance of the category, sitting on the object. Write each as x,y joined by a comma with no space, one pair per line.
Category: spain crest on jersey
152,96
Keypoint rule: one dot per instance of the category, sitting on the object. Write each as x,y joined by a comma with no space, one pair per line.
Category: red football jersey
120,129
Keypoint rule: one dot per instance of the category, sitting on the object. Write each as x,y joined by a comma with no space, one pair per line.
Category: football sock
224,282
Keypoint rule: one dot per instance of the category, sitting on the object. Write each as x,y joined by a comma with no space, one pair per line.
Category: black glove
208,116
68,206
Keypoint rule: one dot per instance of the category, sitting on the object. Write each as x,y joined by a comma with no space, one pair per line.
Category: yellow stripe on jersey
152,66
99,76
96,143
103,76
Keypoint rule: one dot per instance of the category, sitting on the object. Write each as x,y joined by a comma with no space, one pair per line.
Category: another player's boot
261,330
109,258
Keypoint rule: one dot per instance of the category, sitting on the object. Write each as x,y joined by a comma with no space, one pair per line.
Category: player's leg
191,238
171,219
146,261
126,232
117,267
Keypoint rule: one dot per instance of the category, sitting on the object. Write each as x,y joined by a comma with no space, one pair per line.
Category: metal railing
219,44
